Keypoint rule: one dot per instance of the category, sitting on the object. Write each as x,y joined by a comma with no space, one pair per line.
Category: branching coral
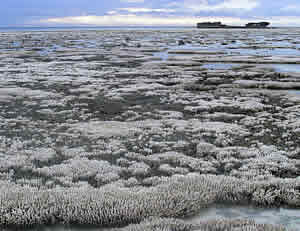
158,224
178,196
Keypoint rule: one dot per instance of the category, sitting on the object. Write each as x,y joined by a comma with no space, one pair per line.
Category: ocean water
295,92
289,218
287,67
222,66
78,28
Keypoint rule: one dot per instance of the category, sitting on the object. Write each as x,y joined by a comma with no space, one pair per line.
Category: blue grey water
231,51
290,218
72,28
286,67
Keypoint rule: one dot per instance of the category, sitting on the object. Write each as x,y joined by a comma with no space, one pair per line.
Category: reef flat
140,130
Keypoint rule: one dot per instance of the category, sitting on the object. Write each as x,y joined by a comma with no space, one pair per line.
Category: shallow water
243,49
289,218
163,55
264,51
221,66
230,50
297,92
286,67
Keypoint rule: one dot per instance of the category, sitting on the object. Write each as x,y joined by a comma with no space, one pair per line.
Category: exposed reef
214,225
112,205
134,130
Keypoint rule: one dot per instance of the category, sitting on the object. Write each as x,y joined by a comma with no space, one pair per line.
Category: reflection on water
230,50
263,51
289,218
295,92
220,66
163,55
286,67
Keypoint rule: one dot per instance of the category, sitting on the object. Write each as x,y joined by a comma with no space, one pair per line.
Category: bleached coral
82,168
139,169
110,206
159,224
90,119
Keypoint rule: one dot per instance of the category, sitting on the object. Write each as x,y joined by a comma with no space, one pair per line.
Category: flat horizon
119,13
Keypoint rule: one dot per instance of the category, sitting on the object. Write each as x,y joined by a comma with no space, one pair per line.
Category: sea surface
70,28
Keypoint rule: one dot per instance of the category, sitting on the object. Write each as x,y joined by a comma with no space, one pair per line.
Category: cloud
112,12
285,20
226,5
146,10
143,20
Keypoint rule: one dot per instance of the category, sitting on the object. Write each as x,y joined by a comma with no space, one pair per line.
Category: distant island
250,25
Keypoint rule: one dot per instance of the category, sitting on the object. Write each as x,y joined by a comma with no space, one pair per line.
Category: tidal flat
150,130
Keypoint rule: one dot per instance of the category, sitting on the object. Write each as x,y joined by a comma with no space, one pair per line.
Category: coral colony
139,130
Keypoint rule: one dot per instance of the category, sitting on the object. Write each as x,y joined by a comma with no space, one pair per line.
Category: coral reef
177,196
159,224
114,127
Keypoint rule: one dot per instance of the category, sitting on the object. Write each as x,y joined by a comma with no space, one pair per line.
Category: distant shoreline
220,25
69,28
243,27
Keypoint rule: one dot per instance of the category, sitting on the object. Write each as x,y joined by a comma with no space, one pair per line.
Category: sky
146,12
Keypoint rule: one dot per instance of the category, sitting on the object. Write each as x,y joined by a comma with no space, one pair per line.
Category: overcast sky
146,12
